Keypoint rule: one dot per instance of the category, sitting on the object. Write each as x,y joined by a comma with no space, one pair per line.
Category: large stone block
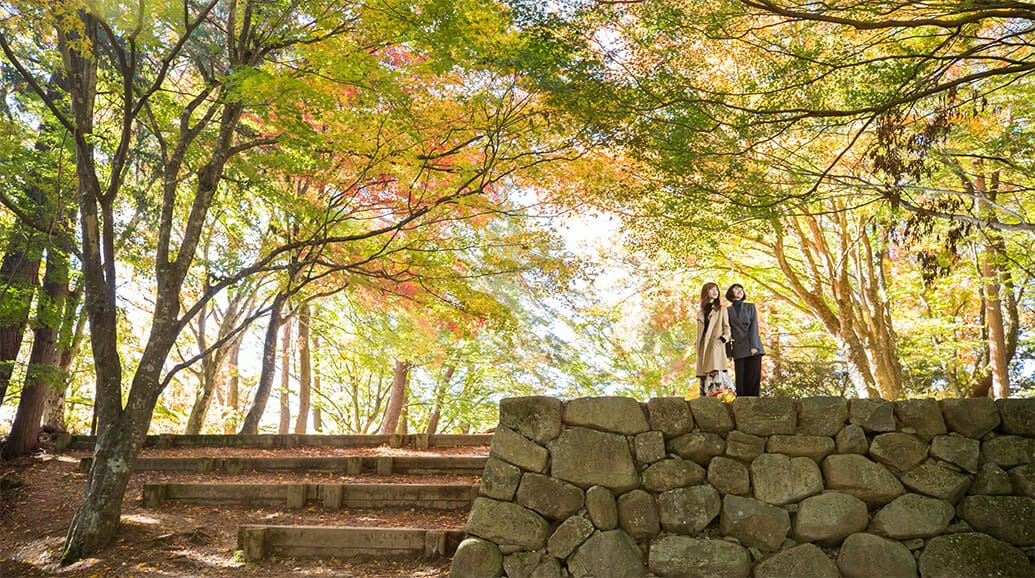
1008,451
1023,478
822,416
516,449
670,415
803,560
742,446
972,554
616,414
588,457
532,565
521,564
700,447
507,523
638,514
778,479
602,508
729,476
611,553
938,482
671,474
957,450
548,567
801,446
922,417
711,415
899,452
698,558
765,416
1018,415
1008,518
991,480
476,558
755,524
829,518
971,417
866,556
500,480
688,510
535,417
568,536
852,440
873,415
912,516
650,447
553,498
854,474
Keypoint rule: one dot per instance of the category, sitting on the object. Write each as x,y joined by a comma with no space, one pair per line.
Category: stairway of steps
335,498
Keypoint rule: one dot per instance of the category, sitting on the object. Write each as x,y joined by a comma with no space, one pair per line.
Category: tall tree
37,199
317,392
392,421
284,393
44,370
305,371
214,355
70,337
250,425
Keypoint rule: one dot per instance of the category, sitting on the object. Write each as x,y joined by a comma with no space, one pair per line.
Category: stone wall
769,487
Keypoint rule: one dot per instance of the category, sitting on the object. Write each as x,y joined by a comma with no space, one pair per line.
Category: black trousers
748,375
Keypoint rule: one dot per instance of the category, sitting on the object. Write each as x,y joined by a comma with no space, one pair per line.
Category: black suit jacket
744,327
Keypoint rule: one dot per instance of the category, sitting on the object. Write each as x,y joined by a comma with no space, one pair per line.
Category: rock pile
607,486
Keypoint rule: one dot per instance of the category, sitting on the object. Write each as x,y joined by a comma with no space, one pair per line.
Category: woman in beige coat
713,331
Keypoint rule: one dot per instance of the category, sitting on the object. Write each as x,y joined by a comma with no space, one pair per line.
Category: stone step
350,465
330,496
258,541
289,441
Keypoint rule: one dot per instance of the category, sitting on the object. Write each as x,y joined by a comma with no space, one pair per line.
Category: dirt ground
39,495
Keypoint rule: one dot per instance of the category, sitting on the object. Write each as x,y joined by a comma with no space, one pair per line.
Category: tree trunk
992,278
233,385
305,373
70,338
18,279
825,277
357,416
122,430
196,419
317,415
440,397
397,398
203,396
97,519
54,408
996,331
269,362
285,381
20,267
43,372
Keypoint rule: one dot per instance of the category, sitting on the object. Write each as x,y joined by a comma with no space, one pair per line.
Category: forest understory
39,494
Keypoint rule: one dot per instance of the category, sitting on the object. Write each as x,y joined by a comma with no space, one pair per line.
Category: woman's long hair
708,305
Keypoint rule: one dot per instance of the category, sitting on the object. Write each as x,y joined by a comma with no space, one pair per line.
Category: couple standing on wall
725,332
